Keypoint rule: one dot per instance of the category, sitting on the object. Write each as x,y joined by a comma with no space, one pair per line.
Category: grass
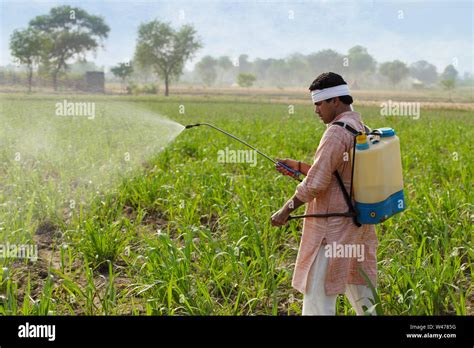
178,233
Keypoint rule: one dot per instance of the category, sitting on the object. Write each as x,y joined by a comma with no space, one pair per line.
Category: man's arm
318,176
293,164
305,168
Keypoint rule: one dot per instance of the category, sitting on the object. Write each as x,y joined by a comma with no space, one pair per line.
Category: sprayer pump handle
296,173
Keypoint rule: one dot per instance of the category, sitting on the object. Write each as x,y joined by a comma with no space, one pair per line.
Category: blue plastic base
374,213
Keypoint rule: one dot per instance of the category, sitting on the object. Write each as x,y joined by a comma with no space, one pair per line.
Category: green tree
298,65
225,63
206,70
468,79
245,80
27,48
449,73
278,72
424,71
244,65
72,32
261,68
225,67
324,61
122,71
395,71
164,49
448,78
360,62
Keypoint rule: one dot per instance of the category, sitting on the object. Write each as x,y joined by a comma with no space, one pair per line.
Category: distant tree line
52,43
357,66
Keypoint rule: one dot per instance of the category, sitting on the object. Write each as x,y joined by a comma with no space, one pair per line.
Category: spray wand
295,173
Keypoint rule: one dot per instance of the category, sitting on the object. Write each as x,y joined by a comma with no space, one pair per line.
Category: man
326,264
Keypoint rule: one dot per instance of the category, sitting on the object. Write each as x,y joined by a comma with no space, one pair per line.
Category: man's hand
293,164
280,218
290,163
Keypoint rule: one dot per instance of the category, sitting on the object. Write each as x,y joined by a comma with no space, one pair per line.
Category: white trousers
315,300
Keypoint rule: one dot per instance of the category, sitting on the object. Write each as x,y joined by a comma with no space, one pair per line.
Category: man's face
326,110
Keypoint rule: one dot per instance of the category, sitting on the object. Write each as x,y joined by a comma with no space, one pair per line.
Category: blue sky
440,32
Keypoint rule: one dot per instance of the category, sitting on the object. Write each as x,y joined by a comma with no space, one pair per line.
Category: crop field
130,214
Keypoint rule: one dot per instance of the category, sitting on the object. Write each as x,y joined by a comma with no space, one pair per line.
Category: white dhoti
315,300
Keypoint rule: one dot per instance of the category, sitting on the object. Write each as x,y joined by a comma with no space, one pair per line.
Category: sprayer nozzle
192,125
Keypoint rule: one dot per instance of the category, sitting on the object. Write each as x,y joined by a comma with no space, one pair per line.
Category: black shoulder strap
347,196
352,212
352,130
346,126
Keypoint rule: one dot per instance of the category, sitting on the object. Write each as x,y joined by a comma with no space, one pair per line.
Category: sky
440,32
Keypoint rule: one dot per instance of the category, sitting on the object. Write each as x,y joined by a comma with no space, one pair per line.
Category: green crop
179,233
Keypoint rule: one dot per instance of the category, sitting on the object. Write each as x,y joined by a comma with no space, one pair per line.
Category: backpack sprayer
376,182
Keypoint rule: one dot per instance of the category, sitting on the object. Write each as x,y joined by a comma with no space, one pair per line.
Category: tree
244,65
279,72
26,46
395,71
245,80
81,66
122,71
424,71
262,67
360,62
324,61
298,66
448,78
225,65
448,84
449,73
72,32
165,49
206,69
468,79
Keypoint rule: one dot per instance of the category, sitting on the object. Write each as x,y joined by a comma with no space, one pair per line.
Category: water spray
295,173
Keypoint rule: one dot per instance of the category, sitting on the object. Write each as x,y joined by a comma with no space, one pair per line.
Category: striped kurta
322,194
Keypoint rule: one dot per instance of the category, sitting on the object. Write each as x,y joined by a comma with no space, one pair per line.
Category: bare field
461,98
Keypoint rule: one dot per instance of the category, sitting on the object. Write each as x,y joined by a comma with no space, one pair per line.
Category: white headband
322,94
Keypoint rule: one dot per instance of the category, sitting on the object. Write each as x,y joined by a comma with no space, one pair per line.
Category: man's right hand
288,162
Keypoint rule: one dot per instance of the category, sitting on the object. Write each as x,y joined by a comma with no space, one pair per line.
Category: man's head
329,108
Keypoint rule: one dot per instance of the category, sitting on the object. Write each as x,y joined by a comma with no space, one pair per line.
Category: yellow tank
378,180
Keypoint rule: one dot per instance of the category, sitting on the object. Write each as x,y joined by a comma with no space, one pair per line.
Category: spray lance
295,173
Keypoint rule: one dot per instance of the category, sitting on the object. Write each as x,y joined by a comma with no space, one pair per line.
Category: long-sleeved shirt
323,194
